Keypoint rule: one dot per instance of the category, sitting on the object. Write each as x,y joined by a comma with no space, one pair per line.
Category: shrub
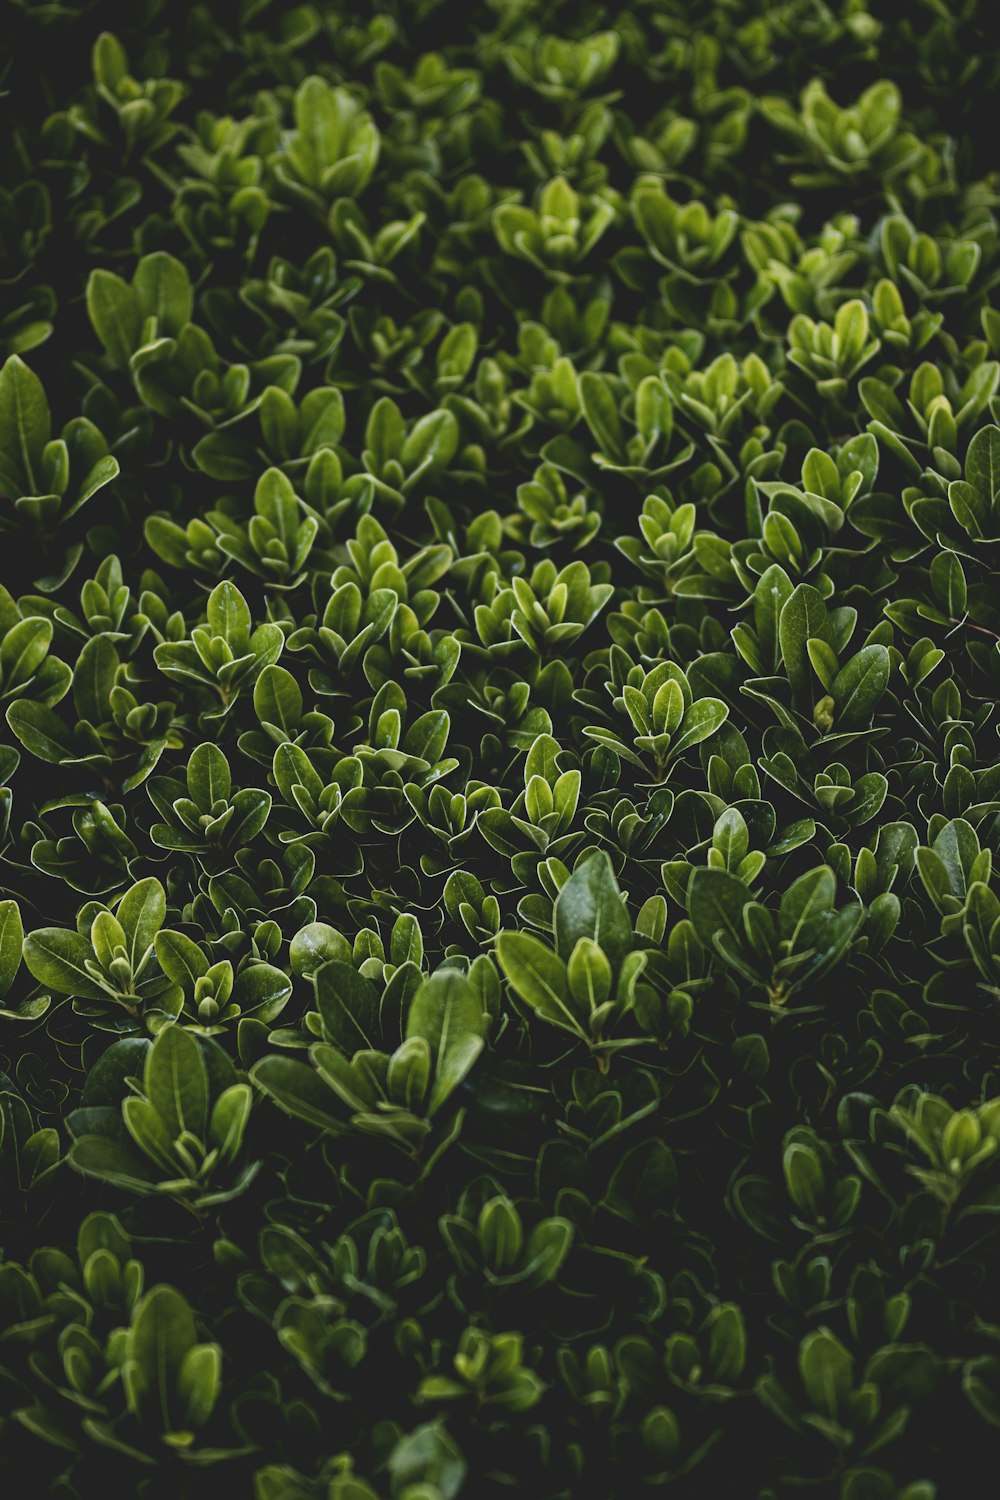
499,620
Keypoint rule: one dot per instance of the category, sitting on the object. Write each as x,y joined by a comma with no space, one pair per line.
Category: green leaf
229,616
804,1178
230,1116
805,905
982,463
431,443
653,410
175,1082
161,1334
292,768
858,687
261,987
25,428
93,679
802,617
349,1006
314,945
715,904
41,731
163,289
115,313
116,1162
827,1372
23,651
589,973
298,1090
590,905
539,977
57,959
277,699
153,1136
110,62
601,412
11,940
105,1085
199,1381
384,434
447,1013
181,959
727,1343
703,719
427,736
208,777
321,116
142,912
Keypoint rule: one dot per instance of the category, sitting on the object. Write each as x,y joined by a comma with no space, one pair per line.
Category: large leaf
590,905
114,311
11,940
176,1082
57,958
349,1006
859,685
115,1162
539,976
141,912
161,1334
982,463
805,906
25,428
803,618
448,1014
298,1089
715,903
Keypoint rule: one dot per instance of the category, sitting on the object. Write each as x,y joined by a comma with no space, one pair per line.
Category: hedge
499,648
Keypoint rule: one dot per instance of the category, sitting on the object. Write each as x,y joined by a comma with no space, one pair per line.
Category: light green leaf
114,311
56,957
447,1013
982,463
11,940
25,428
298,1090
180,959
859,685
601,412
590,905
161,1333
175,1081
142,912
539,977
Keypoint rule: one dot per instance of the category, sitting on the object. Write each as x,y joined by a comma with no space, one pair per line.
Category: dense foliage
500,956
